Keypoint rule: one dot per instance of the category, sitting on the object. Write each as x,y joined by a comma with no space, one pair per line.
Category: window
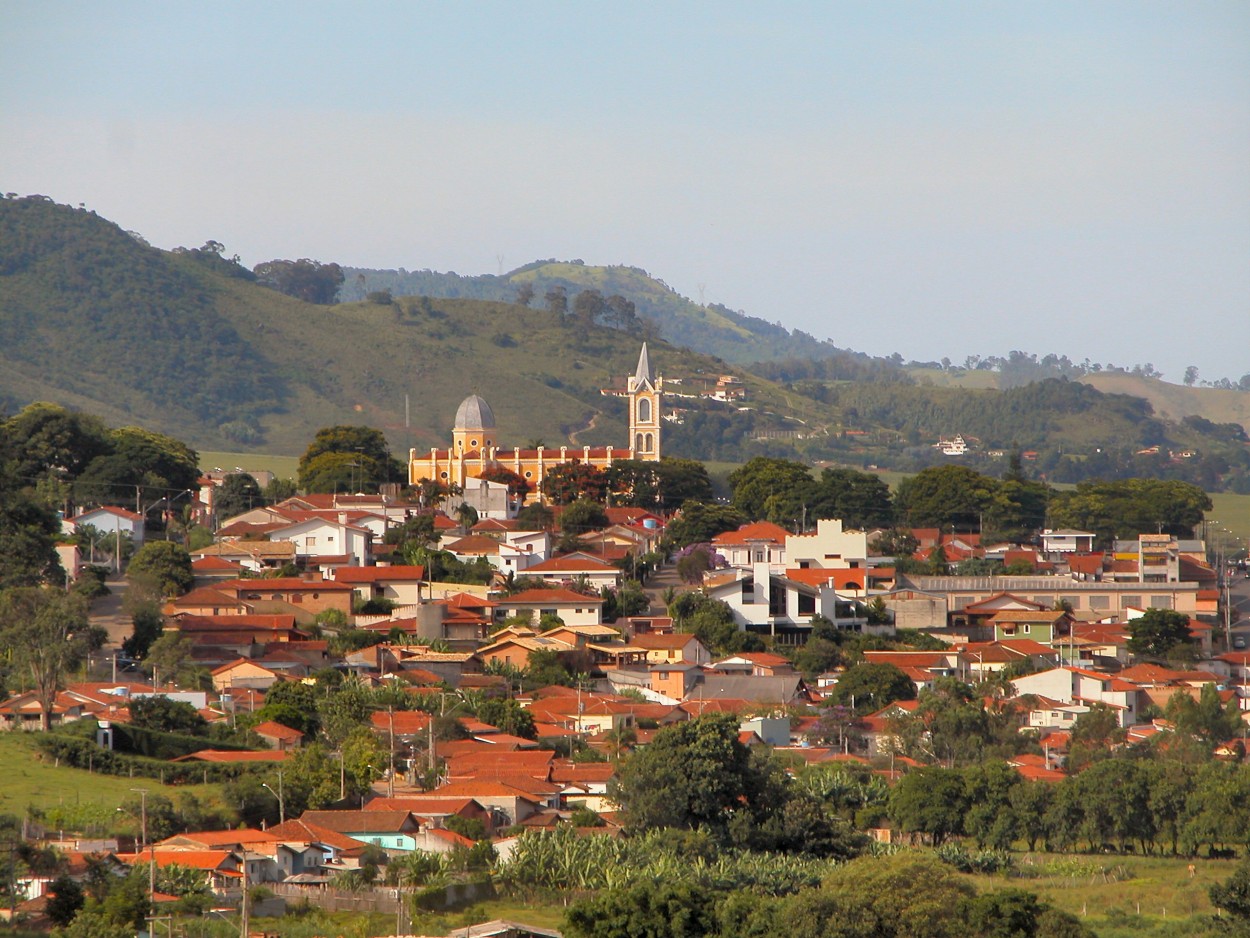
473,442
1100,602
964,601
310,542
638,441
650,443
1027,628
1161,602
1130,600
644,411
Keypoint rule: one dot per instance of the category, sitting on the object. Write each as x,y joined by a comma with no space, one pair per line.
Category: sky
933,179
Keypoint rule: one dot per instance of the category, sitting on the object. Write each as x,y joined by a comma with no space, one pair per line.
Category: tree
574,481
524,293
348,458
870,686
28,534
1191,375
1129,507
557,298
860,499
65,898
166,716
699,522
583,516
304,279
170,656
695,774
666,910
658,486
167,564
930,800
138,461
774,489
509,717
907,895
47,437
237,493
47,634
946,497
1206,717
1233,895
1157,633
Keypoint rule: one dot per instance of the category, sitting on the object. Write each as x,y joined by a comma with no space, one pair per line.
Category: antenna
702,287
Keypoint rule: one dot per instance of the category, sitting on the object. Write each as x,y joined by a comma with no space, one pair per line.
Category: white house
319,538
109,520
829,547
1069,685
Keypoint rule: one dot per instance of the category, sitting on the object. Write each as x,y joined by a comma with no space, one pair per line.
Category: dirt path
594,421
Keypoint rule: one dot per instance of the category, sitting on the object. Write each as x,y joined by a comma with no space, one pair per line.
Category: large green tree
860,499
778,490
237,493
949,497
1158,633
699,522
166,564
347,457
1130,507
304,279
930,800
47,635
48,437
870,686
695,774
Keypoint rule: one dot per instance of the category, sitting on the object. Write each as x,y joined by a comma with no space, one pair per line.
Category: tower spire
643,371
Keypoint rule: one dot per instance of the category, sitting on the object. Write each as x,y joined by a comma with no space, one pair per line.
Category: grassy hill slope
712,329
185,343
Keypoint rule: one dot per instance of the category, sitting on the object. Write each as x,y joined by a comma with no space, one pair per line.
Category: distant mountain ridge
187,342
713,329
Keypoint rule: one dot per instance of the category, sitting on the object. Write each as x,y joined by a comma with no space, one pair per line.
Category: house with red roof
572,608
277,735
399,583
577,567
757,542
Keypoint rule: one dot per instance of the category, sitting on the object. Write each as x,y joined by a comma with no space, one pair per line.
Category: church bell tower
644,410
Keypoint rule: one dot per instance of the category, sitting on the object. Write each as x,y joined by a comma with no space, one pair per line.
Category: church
475,446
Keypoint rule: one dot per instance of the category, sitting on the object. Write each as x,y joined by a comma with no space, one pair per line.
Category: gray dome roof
474,414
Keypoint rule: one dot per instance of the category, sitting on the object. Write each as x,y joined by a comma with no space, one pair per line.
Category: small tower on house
644,410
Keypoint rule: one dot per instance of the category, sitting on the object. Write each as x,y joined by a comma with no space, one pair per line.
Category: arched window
644,411
650,444
638,443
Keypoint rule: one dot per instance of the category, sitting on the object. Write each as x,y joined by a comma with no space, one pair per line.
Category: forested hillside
190,343
713,329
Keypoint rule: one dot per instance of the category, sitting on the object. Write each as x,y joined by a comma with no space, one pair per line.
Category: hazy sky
936,179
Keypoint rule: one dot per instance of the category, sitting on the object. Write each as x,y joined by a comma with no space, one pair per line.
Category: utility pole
243,909
143,833
390,778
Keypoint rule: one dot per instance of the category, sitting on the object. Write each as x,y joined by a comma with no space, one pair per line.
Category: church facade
475,445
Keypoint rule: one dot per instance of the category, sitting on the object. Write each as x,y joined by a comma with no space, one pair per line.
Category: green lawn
32,782
283,467
1233,513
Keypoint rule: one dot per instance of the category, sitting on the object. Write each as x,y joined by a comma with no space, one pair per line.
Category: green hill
185,342
712,329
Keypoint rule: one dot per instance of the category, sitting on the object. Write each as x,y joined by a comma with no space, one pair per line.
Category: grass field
30,782
1233,513
1122,896
283,467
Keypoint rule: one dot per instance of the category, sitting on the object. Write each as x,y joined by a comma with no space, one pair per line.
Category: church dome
474,414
